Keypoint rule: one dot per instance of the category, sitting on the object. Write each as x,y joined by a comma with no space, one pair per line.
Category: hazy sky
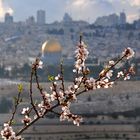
87,10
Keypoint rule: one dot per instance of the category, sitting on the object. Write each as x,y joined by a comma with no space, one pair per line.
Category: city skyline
87,10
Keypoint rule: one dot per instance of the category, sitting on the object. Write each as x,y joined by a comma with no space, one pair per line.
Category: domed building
51,52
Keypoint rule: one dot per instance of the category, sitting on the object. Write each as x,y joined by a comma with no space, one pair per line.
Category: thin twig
100,77
55,90
31,92
37,81
62,78
15,108
35,120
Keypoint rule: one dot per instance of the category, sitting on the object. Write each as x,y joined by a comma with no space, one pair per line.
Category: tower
122,18
8,18
41,17
67,18
30,20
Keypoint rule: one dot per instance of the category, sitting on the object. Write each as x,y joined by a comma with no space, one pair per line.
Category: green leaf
50,78
20,88
13,122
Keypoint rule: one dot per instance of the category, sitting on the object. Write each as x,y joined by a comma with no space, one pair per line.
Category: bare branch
17,102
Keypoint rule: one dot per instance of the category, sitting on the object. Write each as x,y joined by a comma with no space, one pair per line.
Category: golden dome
51,46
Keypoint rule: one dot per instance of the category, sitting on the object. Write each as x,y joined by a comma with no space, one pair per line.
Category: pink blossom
26,120
7,133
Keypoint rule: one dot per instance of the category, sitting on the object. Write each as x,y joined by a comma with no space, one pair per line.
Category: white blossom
106,86
61,94
98,86
111,63
74,70
55,83
78,79
127,77
57,77
53,96
51,88
77,120
109,74
120,74
25,110
75,86
26,120
40,64
106,80
128,53
90,84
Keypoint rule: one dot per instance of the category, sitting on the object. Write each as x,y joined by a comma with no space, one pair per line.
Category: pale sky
87,10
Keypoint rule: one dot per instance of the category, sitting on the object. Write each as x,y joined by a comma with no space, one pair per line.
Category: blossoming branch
62,96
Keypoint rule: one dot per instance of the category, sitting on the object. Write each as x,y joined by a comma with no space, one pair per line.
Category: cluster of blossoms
26,120
126,74
104,83
56,95
65,98
8,134
67,115
80,67
45,103
105,76
62,96
92,84
81,56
